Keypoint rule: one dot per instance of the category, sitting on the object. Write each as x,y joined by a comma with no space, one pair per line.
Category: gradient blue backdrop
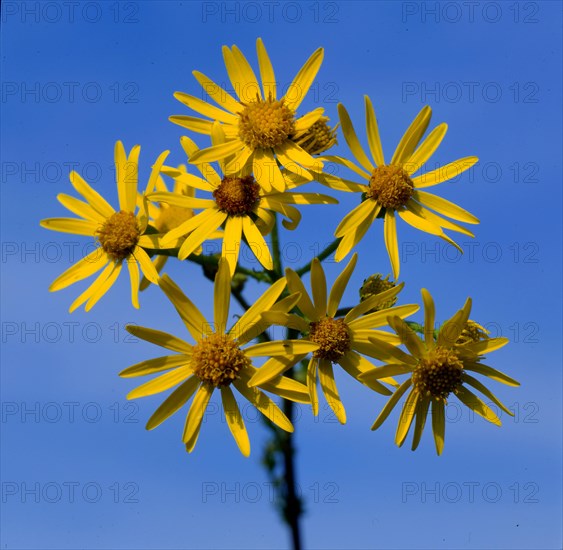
78,468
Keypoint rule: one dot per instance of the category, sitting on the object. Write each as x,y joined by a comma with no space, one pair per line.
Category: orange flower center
390,186
119,235
266,124
333,337
237,196
438,374
217,360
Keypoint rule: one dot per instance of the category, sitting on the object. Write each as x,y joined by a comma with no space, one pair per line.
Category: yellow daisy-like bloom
165,217
260,128
121,234
340,340
217,361
238,202
320,137
392,189
438,367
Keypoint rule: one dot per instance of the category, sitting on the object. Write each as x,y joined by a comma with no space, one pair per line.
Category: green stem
212,261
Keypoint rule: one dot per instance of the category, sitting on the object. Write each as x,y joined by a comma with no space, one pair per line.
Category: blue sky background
78,468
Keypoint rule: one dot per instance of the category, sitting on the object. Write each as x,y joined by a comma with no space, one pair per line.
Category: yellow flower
217,361
260,128
438,367
121,235
319,137
237,201
165,217
339,340
392,189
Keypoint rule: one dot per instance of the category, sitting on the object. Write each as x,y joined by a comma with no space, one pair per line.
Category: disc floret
376,284
391,186
119,235
438,374
237,196
333,337
318,138
218,360
266,124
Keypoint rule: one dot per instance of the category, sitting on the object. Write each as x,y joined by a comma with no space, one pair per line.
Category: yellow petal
195,416
71,225
232,241
158,364
426,149
438,424
273,367
162,339
216,152
95,200
218,94
234,420
263,303
161,383
444,173
135,280
356,217
390,405
352,139
359,368
373,134
409,338
390,233
412,136
266,71
82,269
339,286
421,414
406,417
318,286
328,385
444,207
174,402
280,348
103,287
249,81
100,279
191,316
202,233
494,374
303,80
205,109
80,208
469,399
147,267
265,405
373,302
155,171
429,318
256,242
295,284
222,296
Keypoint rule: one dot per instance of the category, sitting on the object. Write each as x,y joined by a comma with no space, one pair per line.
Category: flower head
260,127
438,367
341,339
237,202
219,360
121,235
392,189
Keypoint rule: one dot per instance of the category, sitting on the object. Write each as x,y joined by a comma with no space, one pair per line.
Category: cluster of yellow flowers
261,154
